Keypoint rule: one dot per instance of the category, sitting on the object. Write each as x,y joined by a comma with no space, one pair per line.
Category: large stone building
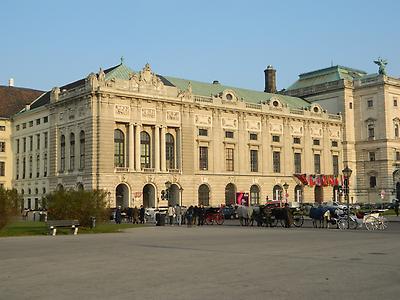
135,134
369,105
12,99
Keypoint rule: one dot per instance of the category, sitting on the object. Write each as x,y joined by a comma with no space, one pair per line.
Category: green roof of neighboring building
326,75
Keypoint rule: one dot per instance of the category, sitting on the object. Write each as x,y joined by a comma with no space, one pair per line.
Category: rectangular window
372,182
3,128
17,169
17,142
229,159
335,165
2,146
17,127
296,140
254,160
397,155
276,159
23,125
229,134
30,123
371,156
203,132
317,163
24,144
316,142
350,105
334,143
297,163
253,136
370,103
2,168
275,138
38,141
203,158
31,143
37,165
394,101
45,119
45,140
45,165
37,121
30,166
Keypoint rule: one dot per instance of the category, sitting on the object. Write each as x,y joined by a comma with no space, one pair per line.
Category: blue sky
50,43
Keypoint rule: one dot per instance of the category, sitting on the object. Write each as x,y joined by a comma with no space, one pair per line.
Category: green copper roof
326,75
209,89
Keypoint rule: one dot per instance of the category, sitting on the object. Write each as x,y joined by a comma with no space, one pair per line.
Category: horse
245,214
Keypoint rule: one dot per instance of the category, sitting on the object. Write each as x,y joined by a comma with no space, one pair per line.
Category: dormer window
229,97
275,103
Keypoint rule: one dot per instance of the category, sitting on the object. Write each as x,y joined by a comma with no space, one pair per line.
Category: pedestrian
396,207
118,215
189,216
171,215
195,214
129,214
135,215
178,213
268,216
141,214
287,214
201,213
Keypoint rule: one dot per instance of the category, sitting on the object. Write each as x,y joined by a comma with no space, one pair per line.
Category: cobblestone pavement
210,262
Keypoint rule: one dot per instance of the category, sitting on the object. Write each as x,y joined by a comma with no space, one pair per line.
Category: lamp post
167,187
346,174
285,186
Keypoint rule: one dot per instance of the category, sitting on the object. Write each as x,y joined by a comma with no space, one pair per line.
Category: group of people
191,216
133,215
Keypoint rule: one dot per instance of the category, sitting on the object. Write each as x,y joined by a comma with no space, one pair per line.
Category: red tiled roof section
13,99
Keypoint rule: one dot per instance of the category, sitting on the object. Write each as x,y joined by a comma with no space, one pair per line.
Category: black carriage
270,215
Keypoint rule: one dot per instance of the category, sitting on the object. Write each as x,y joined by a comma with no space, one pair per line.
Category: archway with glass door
318,194
298,193
122,195
254,195
277,193
204,195
230,194
149,196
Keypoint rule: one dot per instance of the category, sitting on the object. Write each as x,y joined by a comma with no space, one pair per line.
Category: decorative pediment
316,109
186,94
146,78
370,121
275,103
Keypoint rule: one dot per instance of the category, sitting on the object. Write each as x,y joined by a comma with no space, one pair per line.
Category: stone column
178,161
138,128
131,151
157,148
163,163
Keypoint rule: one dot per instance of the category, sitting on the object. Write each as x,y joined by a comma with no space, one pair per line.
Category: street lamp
285,186
346,174
167,191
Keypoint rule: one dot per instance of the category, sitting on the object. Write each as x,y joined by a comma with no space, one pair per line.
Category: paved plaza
211,262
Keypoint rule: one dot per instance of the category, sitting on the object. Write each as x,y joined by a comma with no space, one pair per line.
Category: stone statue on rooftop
382,65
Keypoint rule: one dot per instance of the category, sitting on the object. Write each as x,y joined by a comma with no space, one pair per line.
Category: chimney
270,79
11,82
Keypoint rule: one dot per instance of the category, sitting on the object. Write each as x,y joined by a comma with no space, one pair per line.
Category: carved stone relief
253,125
296,129
173,116
229,123
149,114
334,133
203,120
316,131
275,128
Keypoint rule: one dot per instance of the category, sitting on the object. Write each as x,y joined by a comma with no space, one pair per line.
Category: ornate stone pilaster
138,129
157,148
163,162
131,151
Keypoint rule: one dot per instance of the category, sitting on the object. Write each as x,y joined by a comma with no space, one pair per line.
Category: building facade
138,135
369,104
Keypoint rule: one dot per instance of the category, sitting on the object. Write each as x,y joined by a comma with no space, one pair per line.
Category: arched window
45,165
204,195
298,193
396,130
72,151
82,150
62,161
170,151
145,150
254,195
277,193
79,186
230,194
119,148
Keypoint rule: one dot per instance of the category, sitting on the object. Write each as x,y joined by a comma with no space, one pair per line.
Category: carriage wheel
298,220
383,223
209,219
220,219
342,223
371,223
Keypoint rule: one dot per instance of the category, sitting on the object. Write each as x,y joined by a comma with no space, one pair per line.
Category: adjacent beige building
135,134
369,105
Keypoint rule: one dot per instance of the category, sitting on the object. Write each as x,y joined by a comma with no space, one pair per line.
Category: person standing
288,216
118,215
171,214
135,215
178,213
201,212
195,214
141,214
189,216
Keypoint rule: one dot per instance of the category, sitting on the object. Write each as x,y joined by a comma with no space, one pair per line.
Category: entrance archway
230,194
174,195
204,195
149,196
122,195
318,194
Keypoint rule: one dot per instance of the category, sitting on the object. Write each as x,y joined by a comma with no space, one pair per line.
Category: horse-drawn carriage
269,215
